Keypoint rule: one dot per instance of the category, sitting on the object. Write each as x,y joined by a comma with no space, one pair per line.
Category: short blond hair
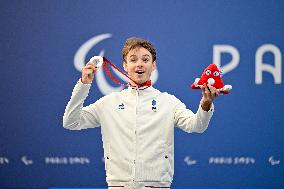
133,43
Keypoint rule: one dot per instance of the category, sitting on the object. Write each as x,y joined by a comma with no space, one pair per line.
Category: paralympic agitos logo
103,85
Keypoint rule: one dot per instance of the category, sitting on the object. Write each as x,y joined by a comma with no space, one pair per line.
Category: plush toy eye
208,72
216,73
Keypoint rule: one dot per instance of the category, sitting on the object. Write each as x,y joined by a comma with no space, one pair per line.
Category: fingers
88,72
91,65
89,68
214,92
209,92
205,90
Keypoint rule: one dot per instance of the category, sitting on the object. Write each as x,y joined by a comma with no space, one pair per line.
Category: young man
137,124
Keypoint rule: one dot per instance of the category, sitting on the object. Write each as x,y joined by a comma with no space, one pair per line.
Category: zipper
135,136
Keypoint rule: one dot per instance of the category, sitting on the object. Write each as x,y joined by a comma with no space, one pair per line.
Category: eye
145,60
133,60
216,73
208,72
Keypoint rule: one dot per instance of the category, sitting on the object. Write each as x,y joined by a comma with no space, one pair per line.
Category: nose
211,81
140,63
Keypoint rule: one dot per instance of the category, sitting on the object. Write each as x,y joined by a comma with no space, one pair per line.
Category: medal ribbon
106,61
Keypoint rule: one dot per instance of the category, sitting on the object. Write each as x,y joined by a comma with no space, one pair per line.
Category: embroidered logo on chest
121,106
154,105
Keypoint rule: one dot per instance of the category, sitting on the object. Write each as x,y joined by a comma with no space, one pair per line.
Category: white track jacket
137,131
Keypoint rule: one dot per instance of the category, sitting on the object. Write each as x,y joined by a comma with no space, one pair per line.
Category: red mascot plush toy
212,76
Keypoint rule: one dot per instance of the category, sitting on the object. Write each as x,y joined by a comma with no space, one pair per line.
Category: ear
125,66
154,66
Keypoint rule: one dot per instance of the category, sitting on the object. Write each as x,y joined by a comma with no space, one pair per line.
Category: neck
145,84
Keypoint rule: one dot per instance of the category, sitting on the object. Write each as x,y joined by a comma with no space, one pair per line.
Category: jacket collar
144,86
140,90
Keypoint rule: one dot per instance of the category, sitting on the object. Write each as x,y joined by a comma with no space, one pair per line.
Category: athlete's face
139,65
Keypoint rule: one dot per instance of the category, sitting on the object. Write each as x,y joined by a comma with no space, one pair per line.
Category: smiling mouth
139,72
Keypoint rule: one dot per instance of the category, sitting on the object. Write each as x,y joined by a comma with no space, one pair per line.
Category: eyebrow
133,55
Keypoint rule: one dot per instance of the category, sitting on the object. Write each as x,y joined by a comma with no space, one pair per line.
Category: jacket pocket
167,157
107,159
154,165
116,165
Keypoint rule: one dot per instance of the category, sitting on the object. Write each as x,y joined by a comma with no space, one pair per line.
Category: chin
139,81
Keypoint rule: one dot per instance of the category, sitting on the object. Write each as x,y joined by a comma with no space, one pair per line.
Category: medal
104,62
